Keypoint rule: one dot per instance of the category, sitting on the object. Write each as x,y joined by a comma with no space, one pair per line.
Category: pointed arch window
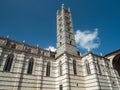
30,66
88,68
116,64
8,63
98,66
60,87
74,67
60,68
48,69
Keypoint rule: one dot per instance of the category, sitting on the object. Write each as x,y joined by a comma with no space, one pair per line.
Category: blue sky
35,21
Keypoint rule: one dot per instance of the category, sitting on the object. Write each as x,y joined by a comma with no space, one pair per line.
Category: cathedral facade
25,67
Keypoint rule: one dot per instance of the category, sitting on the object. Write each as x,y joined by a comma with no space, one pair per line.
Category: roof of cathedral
3,40
21,46
114,52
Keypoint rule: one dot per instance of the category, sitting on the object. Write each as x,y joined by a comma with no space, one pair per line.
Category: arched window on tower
48,69
60,36
74,67
88,68
30,66
70,42
60,30
60,68
69,36
68,29
8,63
60,43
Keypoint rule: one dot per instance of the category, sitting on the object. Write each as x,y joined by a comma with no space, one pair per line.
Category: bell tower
65,33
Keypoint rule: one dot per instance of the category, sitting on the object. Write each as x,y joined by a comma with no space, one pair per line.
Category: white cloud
51,48
87,39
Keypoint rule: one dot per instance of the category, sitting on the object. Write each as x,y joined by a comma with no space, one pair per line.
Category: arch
60,36
30,66
8,63
60,68
98,67
69,36
60,43
74,67
13,46
116,63
48,69
87,67
60,87
70,42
